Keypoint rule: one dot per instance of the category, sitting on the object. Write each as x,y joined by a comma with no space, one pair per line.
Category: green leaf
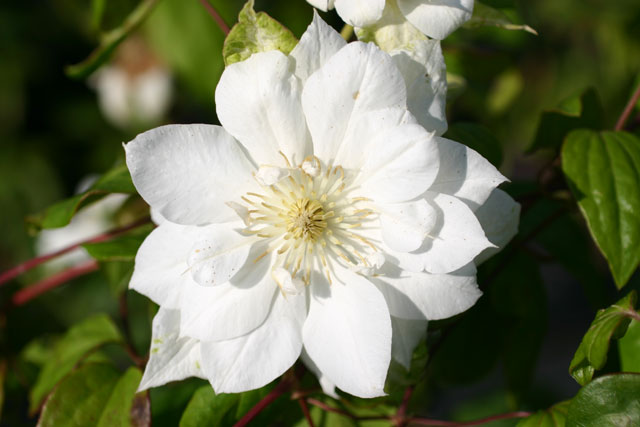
207,408
484,15
121,248
76,343
629,349
81,397
578,112
611,400
118,274
603,172
478,138
118,409
256,32
117,180
109,41
609,323
555,416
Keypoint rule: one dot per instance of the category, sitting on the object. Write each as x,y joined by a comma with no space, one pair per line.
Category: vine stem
328,408
283,386
34,262
216,17
305,411
401,415
628,109
27,294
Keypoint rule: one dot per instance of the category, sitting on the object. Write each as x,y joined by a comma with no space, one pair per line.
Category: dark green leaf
117,180
121,248
556,416
611,400
118,409
110,41
256,32
207,408
118,274
76,343
603,171
81,397
478,138
484,15
579,112
609,323
629,348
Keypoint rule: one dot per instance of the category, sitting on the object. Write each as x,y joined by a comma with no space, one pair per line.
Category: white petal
319,43
406,225
171,358
437,18
258,102
347,333
328,387
218,254
188,172
424,71
428,296
231,309
288,284
455,240
499,217
161,262
465,174
398,161
254,360
269,175
357,79
360,13
407,333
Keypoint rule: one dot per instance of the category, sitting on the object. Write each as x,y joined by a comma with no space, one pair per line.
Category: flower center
310,219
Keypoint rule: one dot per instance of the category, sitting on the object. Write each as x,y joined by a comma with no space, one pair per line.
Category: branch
325,407
283,386
628,109
401,415
216,17
27,294
305,411
440,423
34,262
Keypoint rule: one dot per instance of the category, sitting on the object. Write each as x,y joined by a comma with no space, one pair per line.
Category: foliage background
511,351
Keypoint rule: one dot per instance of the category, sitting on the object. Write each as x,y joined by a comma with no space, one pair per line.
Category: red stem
628,109
283,386
440,423
27,294
324,406
401,415
305,411
34,262
216,16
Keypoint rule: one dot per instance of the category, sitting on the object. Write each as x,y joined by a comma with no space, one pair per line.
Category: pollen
311,217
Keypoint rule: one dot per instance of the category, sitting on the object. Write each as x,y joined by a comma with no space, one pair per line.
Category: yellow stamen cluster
311,220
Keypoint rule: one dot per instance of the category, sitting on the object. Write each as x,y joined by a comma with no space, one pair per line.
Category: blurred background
56,131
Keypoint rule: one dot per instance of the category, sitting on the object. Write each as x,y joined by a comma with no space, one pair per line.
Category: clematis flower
434,18
321,222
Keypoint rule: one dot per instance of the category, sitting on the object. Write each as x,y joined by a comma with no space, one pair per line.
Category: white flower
434,18
320,222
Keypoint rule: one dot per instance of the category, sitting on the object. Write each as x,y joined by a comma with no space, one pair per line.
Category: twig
27,294
325,407
216,16
305,411
628,109
440,423
283,386
34,262
401,415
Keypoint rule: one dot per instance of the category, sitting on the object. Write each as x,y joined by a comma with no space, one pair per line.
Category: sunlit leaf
603,171
484,15
207,408
610,323
629,349
256,32
76,343
118,409
611,400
